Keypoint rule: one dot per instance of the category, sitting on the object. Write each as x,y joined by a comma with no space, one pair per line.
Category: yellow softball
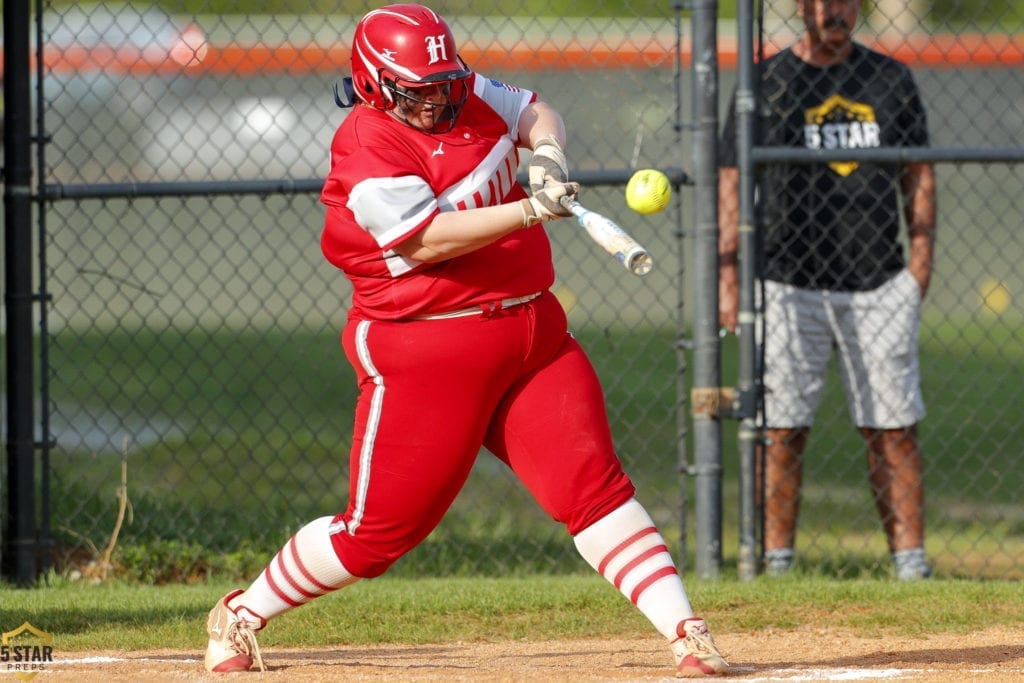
648,191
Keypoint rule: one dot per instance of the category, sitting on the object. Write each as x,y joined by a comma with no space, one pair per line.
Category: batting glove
545,205
548,164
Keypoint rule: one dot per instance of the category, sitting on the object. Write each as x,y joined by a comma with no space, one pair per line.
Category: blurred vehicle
130,96
119,37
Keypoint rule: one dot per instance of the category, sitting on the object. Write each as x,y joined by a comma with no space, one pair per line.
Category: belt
486,308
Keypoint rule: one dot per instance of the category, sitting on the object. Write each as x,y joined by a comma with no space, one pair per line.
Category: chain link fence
190,333
966,62
194,324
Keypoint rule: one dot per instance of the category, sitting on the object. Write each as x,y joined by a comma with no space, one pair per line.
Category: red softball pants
432,392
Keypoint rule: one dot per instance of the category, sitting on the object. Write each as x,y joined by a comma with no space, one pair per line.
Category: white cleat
695,651
232,645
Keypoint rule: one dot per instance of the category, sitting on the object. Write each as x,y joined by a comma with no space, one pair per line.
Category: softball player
456,341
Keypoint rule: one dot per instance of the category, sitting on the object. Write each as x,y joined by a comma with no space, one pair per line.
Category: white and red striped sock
627,549
305,568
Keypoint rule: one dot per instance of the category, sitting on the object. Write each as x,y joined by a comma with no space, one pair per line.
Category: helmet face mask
432,107
400,55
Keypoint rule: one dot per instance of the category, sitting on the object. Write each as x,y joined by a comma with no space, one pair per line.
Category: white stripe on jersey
390,207
486,184
398,264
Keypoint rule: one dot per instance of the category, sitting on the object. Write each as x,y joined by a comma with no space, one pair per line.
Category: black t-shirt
832,226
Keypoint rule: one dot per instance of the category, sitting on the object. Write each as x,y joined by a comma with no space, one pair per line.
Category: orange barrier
953,51
963,50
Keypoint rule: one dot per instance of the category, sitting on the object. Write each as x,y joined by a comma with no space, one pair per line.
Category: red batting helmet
400,47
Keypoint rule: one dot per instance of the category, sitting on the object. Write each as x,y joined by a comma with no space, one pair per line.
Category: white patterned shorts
875,335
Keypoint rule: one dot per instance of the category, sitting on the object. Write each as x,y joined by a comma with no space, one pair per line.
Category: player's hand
548,165
545,203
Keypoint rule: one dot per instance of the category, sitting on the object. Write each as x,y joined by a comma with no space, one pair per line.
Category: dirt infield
805,654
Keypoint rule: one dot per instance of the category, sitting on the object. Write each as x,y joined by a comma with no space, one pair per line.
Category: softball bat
611,237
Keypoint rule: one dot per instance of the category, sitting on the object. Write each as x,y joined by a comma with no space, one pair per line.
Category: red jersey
388,180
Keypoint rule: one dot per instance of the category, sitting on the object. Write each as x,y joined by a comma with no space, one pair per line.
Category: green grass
116,616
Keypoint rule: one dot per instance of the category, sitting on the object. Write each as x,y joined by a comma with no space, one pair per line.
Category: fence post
748,373
19,532
707,428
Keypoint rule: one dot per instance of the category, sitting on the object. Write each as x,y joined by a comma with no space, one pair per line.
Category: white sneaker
695,651
232,645
779,562
911,565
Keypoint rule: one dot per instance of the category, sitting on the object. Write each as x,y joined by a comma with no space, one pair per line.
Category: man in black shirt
834,269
